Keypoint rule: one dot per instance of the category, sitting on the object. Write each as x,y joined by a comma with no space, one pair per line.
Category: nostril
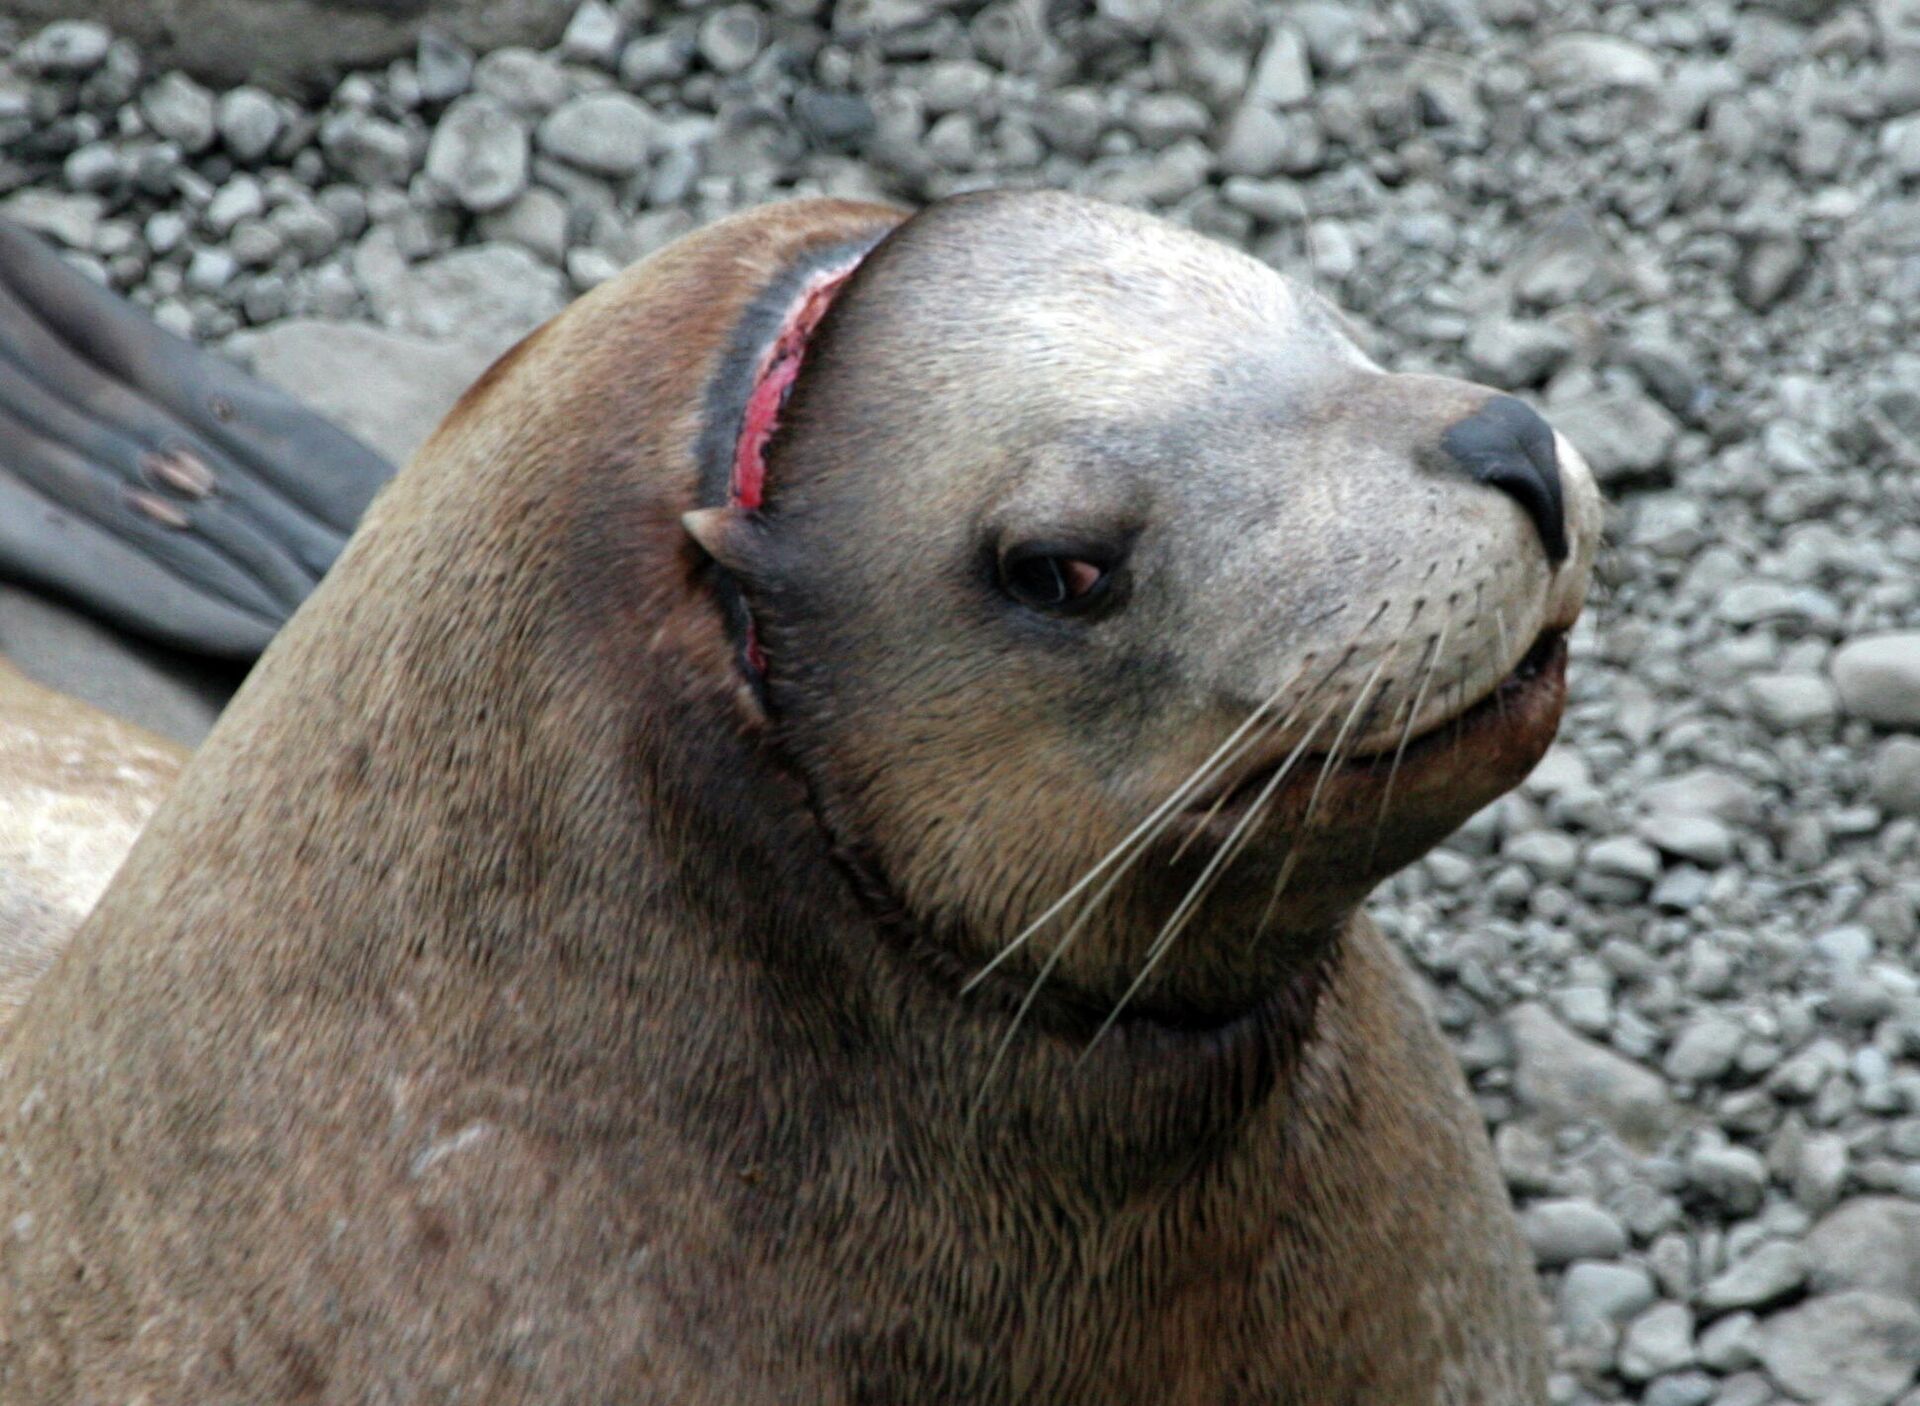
1506,445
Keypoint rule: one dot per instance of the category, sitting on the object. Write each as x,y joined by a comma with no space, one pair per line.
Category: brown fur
487,1017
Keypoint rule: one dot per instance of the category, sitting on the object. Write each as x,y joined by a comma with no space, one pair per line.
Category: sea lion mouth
1518,715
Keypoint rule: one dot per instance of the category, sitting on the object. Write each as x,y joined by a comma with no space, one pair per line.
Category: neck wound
774,376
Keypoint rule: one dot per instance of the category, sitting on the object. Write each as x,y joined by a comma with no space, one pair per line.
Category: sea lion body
516,1002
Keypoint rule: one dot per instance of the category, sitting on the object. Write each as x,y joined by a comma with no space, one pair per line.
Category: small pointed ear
731,536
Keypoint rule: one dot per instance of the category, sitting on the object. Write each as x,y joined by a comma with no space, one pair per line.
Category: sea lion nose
1507,446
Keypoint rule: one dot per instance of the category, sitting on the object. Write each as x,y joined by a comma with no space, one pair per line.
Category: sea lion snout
1505,444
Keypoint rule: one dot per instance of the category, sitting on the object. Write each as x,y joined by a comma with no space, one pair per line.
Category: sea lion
75,787
809,850
152,482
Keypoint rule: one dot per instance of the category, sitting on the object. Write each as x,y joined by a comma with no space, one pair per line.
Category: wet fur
488,1016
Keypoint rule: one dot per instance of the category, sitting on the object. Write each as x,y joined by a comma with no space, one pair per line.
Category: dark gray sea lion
152,482
904,947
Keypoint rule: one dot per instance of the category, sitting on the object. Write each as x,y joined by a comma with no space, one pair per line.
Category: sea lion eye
1044,578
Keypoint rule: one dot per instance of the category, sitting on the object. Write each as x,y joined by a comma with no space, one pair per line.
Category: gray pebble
66,49
1609,1293
239,199
1624,436
528,82
1625,857
594,34
731,38
1282,76
609,134
1516,355
1878,677
1565,1079
369,150
1566,1230
1705,1050
479,153
1763,1277
1895,776
1869,1242
1730,1344
442,66
1846,1349
179,110
536,221
1792,702
1734,1176
1657,1341
249,123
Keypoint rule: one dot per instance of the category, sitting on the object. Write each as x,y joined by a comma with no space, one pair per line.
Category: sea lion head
1097,562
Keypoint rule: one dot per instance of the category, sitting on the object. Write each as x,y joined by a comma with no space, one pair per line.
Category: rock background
1678,964
296,46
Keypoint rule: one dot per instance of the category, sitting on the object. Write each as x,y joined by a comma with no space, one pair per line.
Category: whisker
1239,836
1203,885
1506,654
1319,786
1026,1002
1436,643
1140,834
1253,742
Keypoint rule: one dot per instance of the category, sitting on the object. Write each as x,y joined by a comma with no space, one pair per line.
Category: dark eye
1042,578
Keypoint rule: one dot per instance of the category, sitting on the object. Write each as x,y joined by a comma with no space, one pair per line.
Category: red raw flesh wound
772,381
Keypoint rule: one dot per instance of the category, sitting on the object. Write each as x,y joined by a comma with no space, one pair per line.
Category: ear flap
733,537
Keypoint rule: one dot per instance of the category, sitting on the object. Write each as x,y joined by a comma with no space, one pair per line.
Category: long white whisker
1435,644
1199,777
1203,885
1313,801
1252,742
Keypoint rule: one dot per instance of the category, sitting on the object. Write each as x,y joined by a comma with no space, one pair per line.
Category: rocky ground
1678,965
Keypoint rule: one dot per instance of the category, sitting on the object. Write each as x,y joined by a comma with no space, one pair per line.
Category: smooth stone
491,294
1868,1242
1878,677
1515,355
66,49
479,153
1563,1231
1567,1080
609,134
389,388
1623,435
1734,1176
249,123
179,110
1792,702
72,220
1894,776
1596,61
1699,838
594,34
1765,1276
1593,1292
1705,1050
1658,1341
1847,1349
